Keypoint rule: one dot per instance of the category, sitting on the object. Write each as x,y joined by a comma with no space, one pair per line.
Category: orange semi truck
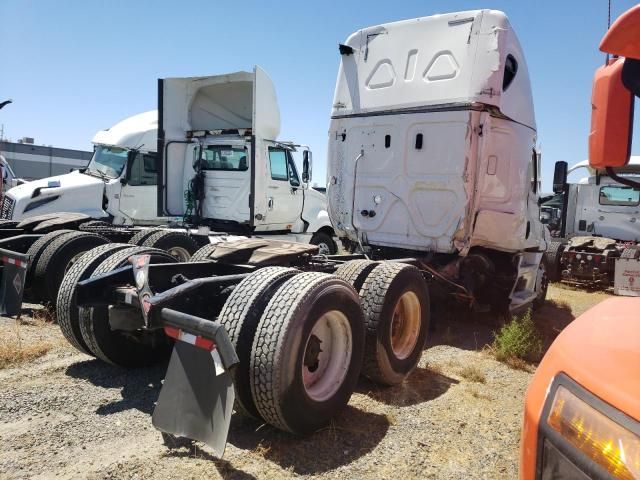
582,409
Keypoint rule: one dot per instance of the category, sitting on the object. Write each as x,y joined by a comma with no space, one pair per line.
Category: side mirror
307,166
560,177
123,180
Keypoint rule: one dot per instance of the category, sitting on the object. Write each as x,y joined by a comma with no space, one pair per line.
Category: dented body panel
432,143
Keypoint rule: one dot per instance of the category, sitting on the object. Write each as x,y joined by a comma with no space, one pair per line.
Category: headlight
591,431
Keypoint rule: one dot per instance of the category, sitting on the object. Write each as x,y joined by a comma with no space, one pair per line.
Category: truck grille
7,208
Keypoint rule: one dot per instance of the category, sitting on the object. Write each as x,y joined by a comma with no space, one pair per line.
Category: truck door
138,194
284,189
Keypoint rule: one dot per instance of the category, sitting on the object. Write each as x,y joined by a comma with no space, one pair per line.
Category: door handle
270,203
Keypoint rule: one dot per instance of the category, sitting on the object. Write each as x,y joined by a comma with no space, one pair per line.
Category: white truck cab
599,205
432,147
222,164
119,183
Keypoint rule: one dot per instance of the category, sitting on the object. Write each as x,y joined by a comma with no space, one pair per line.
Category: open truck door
210,132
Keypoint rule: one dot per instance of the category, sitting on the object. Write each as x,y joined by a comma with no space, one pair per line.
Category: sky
73,67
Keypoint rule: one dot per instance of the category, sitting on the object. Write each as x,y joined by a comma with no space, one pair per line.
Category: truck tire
552,258
179,245
125,349
355,272
39,246
56,260
395,301
8,223
544,286
203,253
631,252
240,315
307,352
140,237
66,308
325,243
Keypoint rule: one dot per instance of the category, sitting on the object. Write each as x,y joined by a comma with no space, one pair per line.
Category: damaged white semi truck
432,172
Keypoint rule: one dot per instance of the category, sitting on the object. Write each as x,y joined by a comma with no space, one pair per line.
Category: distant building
31,162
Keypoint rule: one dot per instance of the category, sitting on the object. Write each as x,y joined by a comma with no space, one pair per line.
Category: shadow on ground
551,319
468,330
185,448
423,385
350,435
139,387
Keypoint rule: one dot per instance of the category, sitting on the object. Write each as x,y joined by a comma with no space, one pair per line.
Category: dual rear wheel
304,338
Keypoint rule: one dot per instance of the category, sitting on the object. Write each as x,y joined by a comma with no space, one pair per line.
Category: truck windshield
108,161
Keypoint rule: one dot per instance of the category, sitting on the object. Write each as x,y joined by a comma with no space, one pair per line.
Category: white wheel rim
323,249
179,253
542,274
324,372
405,325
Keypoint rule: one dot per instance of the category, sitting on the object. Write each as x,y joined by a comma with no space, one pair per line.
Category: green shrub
518,339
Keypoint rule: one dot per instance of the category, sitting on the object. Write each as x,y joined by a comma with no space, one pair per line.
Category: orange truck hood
600,350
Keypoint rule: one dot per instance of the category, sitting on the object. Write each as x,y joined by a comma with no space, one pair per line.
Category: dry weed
13,351
473,374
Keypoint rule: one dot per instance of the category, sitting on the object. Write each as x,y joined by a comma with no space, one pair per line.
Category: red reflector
205,343
172,332
195,340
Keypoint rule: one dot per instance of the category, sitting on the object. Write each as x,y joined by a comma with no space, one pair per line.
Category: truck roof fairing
138,131
456,59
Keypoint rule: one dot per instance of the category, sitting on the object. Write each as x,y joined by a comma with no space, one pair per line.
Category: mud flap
14,271
196,400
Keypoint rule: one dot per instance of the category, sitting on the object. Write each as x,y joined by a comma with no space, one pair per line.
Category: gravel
66,415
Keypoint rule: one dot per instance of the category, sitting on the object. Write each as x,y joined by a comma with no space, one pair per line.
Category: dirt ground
66,415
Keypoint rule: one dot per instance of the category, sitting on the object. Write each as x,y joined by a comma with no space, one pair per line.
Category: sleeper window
510,71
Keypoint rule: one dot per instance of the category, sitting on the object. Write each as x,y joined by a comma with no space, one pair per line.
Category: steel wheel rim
324,373
323,249
179,253
405,325
544,282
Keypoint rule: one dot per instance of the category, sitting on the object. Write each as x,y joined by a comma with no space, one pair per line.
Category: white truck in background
119,185
9,179
600,223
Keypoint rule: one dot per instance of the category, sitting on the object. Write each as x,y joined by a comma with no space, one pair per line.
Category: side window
510,71
278,164
294,180
144,170
619,196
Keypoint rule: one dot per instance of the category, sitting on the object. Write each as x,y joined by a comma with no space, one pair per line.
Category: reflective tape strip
195,340
217,362
14,261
